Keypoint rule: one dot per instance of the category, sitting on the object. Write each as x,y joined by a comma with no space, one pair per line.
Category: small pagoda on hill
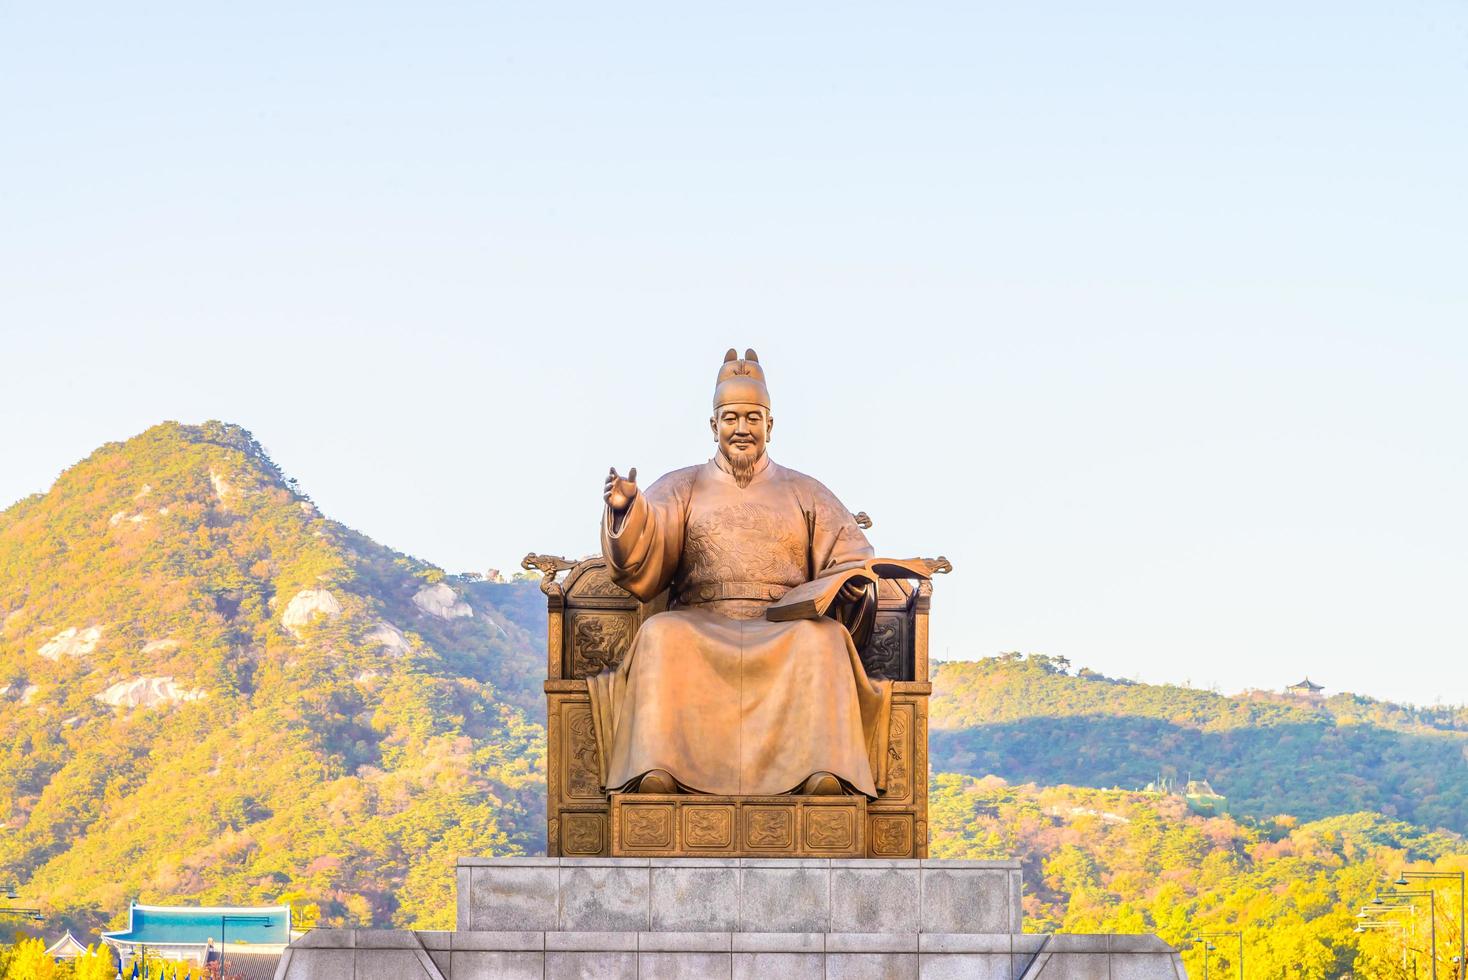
1305,689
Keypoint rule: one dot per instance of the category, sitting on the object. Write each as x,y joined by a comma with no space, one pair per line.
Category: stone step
344,954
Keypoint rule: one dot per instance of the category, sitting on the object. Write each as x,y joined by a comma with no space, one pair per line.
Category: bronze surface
659,657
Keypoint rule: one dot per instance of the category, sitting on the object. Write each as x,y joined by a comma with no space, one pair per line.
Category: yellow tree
28,961
95,964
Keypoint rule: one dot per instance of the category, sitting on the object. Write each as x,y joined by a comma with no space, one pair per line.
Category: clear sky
1152,317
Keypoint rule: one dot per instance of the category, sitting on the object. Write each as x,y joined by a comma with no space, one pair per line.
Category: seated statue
713,697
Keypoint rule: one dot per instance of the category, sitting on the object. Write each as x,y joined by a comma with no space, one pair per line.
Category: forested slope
209,691
1030,719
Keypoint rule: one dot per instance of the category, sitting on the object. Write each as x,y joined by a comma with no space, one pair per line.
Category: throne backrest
592,622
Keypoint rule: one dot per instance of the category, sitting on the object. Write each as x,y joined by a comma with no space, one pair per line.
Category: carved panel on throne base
693,825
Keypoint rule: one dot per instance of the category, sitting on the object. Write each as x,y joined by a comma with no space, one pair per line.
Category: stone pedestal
738,895
756,918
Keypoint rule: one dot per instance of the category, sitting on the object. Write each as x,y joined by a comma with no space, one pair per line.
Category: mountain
1029,719
209,691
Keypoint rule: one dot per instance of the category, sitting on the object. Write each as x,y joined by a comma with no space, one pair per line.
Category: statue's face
742,431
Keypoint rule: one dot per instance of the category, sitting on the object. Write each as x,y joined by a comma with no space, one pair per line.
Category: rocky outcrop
441,601
389,637
71,642
306,606
222,488
145,692
160,646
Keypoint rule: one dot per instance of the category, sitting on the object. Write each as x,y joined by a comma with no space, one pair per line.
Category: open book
811,600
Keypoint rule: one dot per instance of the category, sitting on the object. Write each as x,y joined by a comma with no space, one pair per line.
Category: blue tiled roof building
197,932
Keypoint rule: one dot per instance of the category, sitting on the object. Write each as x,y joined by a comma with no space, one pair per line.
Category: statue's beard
742,467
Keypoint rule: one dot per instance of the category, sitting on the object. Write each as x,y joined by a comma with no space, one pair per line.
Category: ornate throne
590,627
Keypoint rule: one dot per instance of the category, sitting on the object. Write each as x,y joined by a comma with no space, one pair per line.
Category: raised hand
620,491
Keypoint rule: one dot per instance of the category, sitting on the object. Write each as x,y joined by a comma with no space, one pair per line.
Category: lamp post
223,921
12,892
1400,927
1379,907
1431,897
1462,961
1239,935
1207,948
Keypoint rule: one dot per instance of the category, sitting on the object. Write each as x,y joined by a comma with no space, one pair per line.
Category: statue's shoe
821,784
657,781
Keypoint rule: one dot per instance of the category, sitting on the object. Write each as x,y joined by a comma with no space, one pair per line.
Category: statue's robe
712,692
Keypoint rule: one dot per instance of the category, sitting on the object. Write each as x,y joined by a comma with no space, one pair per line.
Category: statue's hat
741,381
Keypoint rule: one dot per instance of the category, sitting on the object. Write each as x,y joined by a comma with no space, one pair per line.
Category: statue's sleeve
644,552
836,540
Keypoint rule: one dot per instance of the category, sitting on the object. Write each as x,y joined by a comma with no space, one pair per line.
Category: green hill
1031,720
210,691
1114,861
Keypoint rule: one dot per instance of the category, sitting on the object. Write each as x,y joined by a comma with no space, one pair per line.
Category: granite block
1137,943
779,966
327,939
1016,903
434,938
442,959
1078,943
965,900
318,964
684,942
1076,966
592,942
872,899
507,941
964,966
464,895
871,966
695,895
605,898
949,942
683,966
871,942
386,939
779,942
389,964
510,862
786,896
590,966
515,896
485,965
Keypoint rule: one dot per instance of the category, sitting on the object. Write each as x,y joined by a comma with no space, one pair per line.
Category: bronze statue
713,697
